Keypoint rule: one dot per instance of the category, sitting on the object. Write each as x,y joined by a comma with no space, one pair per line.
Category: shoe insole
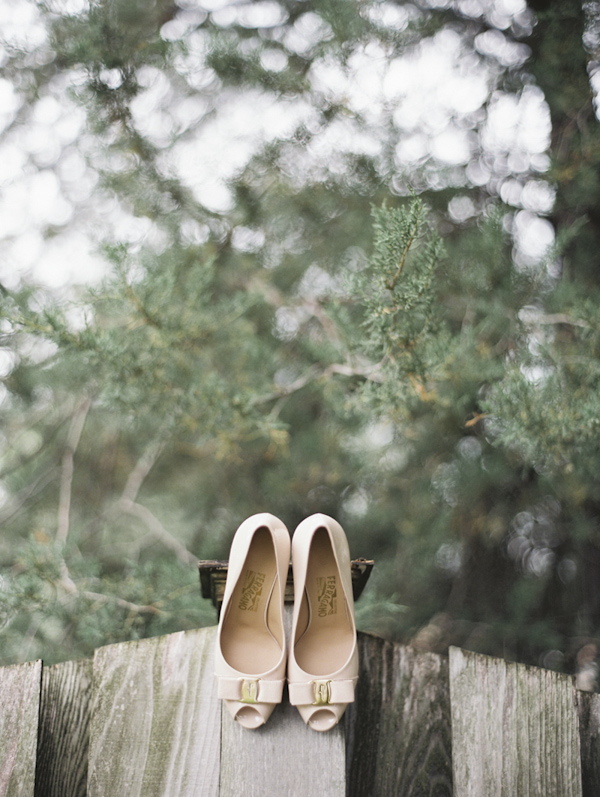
328,638
252,633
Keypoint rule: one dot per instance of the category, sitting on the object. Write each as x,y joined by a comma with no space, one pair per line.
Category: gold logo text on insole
251,591
326,596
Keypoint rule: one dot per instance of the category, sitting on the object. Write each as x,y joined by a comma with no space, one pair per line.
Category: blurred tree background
349,256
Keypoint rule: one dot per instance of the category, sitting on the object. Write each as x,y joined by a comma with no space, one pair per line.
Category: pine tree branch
391,284
142,468
66,479
157,529
147,317
315,374
316,310
132,607
71,588
129,505
562,318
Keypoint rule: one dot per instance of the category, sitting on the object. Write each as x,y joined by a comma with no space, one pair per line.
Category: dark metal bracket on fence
213,573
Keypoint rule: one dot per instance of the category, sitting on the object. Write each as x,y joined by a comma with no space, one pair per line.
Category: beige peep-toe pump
323,659
251,649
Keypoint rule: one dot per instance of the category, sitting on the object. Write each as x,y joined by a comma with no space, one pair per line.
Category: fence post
588,704
398,730
515,729
473,726
155,727
283,758
19,710
63,739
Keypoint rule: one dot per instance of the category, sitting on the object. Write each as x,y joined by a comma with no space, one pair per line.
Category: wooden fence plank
19,710
284,758
155,728
514,729
588,704
398,731
63,739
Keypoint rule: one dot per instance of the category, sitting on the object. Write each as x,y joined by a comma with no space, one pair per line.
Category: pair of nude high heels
251,655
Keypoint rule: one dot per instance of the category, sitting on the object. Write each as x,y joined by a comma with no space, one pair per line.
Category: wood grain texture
19,709
514,729
398,730
63,739
284,758
588,704
155,729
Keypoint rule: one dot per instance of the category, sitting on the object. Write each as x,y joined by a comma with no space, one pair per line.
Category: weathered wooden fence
142,720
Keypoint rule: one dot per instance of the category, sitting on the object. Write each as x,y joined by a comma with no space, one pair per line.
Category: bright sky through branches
51,216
